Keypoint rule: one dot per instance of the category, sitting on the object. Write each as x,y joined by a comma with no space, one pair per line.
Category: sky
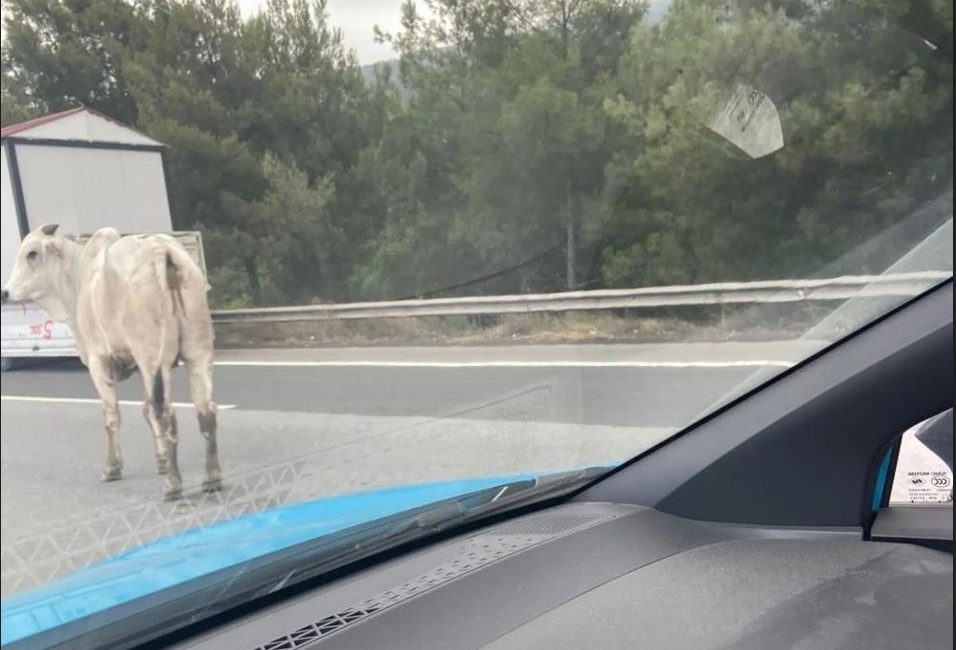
356,19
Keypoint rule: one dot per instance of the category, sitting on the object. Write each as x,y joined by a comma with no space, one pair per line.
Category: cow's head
37,274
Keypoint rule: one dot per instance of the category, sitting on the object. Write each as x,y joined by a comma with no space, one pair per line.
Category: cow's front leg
103,381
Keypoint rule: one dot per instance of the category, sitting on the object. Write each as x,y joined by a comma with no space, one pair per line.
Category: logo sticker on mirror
923,475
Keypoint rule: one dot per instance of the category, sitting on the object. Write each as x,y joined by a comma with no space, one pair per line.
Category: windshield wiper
161,613
458,511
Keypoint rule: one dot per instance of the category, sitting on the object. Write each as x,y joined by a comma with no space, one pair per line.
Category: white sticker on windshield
749,120
921,477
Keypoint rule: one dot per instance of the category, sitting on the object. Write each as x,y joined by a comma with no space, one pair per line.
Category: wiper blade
447,514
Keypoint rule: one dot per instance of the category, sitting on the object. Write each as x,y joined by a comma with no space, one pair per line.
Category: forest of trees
518,145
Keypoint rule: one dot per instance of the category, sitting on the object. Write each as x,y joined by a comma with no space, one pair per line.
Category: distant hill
369,71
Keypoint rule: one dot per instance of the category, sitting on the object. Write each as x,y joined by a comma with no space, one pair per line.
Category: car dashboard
602,575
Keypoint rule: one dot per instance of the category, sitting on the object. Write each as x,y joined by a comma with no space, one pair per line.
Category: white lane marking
755,363
85,400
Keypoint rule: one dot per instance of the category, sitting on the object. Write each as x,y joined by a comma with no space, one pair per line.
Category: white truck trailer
83,171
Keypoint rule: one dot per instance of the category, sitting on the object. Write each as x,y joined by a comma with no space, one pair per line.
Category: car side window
924,465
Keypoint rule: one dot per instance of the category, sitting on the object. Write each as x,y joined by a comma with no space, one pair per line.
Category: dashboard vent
545,525
472,553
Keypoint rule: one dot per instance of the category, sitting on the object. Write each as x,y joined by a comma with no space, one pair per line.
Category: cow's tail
174,283
169,280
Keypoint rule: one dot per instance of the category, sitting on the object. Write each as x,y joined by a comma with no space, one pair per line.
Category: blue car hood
184,556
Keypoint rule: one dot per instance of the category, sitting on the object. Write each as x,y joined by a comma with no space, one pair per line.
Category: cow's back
127,306
132,255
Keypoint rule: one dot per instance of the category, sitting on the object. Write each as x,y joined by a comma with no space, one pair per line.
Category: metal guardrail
771,291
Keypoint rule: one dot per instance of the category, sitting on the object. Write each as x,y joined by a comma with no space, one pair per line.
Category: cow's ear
49,228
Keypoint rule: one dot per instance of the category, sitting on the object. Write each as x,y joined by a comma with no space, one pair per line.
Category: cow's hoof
173,495
212,485
111,474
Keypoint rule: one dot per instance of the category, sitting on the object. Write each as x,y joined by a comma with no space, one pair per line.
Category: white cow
135,302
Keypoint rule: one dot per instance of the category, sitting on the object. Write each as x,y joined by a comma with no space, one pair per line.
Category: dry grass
572,327
578,327
379,331
707,323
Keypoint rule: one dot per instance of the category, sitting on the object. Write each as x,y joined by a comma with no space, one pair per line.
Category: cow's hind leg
101,374
160,451
158,409
200,386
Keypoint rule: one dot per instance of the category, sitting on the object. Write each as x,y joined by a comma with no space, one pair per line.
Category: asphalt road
304,424
613,396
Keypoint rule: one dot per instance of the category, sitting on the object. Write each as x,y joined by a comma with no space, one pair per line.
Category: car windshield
420,250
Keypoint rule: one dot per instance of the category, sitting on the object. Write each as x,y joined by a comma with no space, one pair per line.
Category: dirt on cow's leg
200,386
207,426
159,414
103,381
173,482
158,446
114,459
163,404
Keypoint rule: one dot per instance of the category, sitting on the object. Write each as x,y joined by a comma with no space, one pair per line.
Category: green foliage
525,145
